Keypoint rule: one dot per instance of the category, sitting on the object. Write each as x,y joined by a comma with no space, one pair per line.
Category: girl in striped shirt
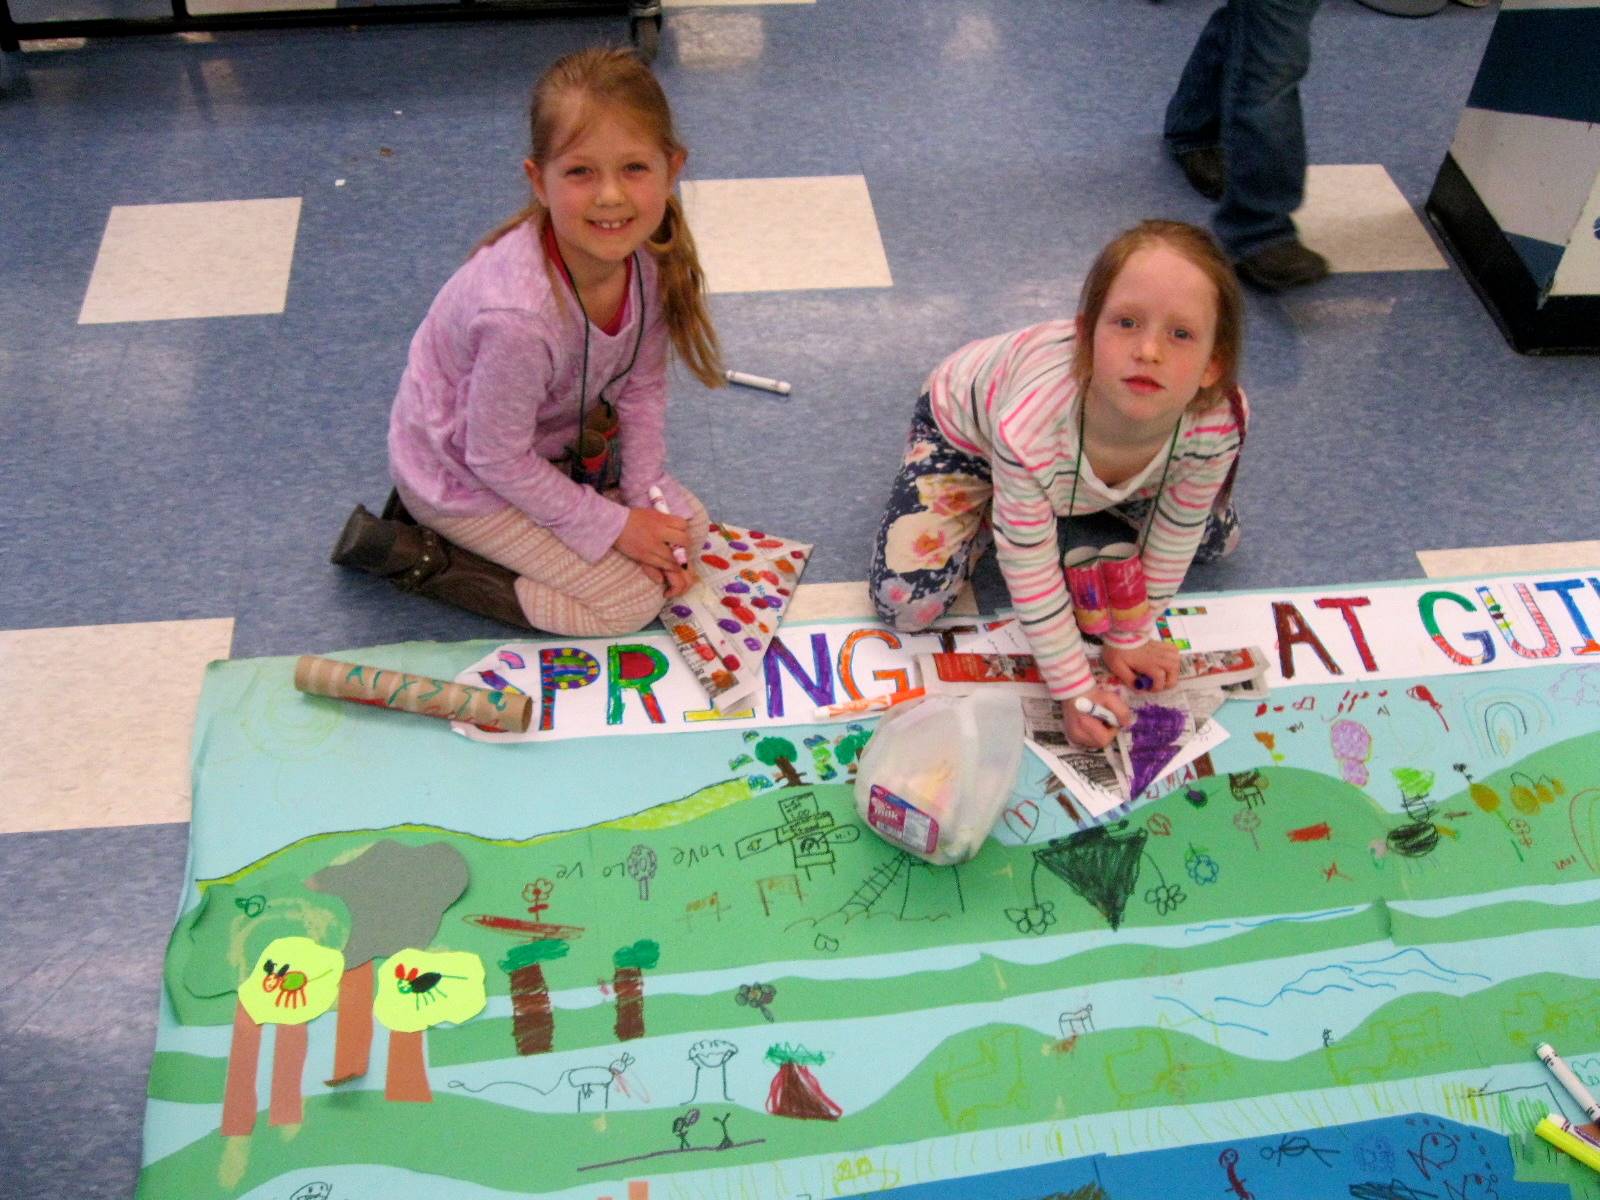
1131,407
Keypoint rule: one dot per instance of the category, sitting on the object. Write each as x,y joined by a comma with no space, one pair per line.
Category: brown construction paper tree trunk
239,1092
288,1070
408,1067
352,1038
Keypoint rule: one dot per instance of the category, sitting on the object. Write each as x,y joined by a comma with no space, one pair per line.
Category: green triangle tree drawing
1099,865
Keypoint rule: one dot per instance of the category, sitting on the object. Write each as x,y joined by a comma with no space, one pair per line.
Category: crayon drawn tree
847,749
418,989
641,868
294,981
795,1091
1418,836
711,1054
631,962
533,1022
780,753
1100,864
397,895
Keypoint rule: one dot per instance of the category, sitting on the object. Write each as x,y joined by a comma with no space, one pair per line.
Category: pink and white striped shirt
1011,400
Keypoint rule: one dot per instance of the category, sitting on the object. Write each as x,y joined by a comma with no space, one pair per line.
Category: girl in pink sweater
527,436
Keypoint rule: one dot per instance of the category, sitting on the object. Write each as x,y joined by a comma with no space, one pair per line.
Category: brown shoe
394,509
417,560
1282,265
1206,171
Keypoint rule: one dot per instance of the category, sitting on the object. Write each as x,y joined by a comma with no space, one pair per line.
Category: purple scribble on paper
734,586
752,643
733,545
728,625
679,610
1154,735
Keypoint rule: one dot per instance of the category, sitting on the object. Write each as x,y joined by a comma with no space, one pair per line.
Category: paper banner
1348,635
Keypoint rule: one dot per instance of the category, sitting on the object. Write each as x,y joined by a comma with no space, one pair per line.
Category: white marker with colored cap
1586,1101
660,503
1098,711
757,381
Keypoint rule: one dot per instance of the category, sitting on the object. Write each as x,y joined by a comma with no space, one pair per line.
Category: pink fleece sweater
490,395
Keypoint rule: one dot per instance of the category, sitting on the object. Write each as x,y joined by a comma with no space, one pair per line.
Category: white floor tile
1493,560
163,262
718,39
851,601
1356,217
96,722
774,235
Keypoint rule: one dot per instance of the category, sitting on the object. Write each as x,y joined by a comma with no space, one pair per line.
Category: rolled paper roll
603,420
496,711
1088,590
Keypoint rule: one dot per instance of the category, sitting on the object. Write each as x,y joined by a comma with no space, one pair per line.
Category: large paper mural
649,950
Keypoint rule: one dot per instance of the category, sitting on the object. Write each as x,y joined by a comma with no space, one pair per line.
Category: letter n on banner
819,688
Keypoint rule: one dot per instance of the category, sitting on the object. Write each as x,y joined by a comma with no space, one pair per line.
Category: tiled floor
216,249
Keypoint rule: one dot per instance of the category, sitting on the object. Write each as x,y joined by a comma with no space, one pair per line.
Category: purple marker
1143,683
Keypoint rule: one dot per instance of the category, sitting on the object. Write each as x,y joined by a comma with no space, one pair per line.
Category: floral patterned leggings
936,528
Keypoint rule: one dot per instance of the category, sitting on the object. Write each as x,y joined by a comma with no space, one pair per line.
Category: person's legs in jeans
1194,114
1262,130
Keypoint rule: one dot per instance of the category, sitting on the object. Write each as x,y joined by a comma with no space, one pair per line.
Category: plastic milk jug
938,771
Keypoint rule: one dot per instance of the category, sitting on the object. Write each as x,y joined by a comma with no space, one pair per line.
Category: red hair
1201,249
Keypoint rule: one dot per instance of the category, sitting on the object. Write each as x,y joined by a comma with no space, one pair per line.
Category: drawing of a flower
1166,897
1036,918
1202,867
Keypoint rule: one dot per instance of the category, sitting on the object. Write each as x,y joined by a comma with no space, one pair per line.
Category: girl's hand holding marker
1093,719
652,539
660,503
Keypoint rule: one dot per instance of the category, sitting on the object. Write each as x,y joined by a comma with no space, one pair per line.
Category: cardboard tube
499,712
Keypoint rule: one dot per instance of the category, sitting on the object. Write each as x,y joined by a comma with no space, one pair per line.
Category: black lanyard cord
1077,471
583,377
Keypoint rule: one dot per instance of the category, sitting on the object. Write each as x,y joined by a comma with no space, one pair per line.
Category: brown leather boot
394,509
416,559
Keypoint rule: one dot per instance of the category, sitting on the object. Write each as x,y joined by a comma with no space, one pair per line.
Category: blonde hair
565,100
1201,249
